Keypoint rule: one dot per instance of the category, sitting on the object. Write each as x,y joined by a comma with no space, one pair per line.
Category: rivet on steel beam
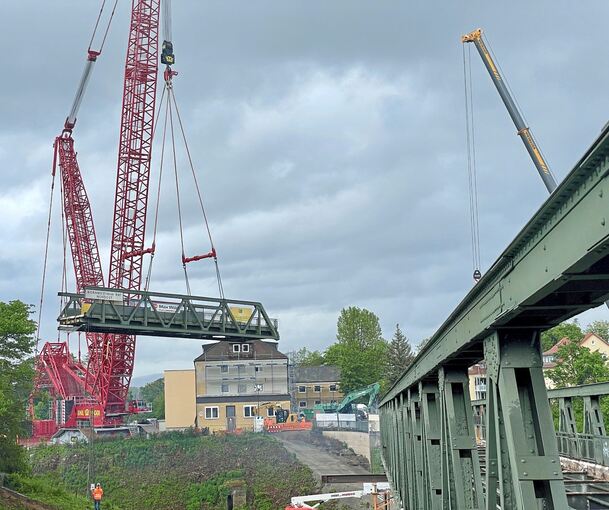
603,222
525,473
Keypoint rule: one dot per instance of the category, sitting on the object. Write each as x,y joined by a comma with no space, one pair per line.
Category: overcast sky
329,140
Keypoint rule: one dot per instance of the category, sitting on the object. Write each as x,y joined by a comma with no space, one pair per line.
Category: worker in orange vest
98,494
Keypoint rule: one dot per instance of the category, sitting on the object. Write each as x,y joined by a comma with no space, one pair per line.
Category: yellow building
234,378
180,408
316,385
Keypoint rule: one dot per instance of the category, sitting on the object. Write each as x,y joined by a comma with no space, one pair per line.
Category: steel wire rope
474,167
198,189
46,250
158,195
179,203
471,168
101,10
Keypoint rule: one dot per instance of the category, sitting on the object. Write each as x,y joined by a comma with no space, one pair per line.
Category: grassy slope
40,489
176,471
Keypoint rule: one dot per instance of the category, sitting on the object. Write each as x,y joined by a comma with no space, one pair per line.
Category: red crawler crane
103,385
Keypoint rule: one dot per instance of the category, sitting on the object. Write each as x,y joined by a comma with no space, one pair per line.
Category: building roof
323,373
556,346
223,351
565,340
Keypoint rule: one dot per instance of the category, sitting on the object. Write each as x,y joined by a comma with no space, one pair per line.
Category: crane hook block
167,56
477,275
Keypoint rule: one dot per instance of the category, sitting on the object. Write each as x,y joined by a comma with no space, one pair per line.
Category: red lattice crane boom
131,199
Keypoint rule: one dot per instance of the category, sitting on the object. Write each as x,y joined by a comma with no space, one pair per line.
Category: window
333,387
317,402
225,388
258,369
245,348
317,388
223,368
249,411
302,403
270,412
212,413
236,348
302,389
242,388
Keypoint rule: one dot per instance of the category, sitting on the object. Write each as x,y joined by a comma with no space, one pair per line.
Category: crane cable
199,194
168,123
46,250
101,11
471,164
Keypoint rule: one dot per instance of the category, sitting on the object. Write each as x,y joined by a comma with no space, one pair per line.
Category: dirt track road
324,461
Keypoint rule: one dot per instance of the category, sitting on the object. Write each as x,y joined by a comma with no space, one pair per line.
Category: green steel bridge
555,268
104,310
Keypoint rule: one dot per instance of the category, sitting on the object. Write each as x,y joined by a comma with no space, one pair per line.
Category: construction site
307,157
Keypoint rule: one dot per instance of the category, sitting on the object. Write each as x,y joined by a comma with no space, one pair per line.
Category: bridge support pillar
567,439
594,425
418,469
432,448
461,467
520,431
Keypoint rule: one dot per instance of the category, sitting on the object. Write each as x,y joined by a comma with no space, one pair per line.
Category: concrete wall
359,442
180,400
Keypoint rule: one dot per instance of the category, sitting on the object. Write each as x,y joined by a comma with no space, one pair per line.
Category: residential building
233,379
180,407
315,385
477,381
591,341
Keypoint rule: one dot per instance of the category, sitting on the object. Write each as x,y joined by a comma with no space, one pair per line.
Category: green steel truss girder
161,314
556,267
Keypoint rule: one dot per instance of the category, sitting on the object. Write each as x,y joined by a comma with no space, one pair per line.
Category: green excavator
346,404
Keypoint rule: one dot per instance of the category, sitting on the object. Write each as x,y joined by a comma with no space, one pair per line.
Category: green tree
399,356
577,365
303,357
570,330
16,376
154,392
599,328
358,326
43,406
360,351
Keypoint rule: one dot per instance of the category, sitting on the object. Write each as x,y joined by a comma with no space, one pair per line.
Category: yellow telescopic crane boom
523,131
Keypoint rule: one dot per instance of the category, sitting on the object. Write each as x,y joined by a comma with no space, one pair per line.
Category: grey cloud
329,141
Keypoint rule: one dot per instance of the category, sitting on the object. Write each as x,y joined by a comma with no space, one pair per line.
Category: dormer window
236,347
245,348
